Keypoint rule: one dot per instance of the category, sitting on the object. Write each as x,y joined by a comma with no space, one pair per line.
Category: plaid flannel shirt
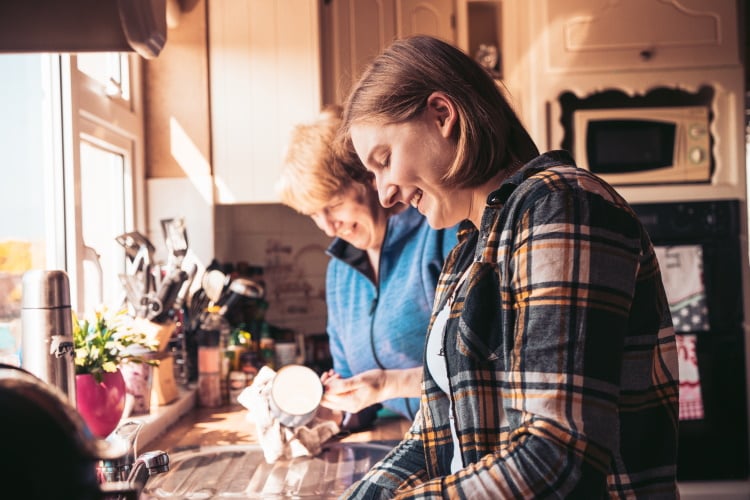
560,354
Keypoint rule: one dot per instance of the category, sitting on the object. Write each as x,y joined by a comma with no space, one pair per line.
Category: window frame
92,113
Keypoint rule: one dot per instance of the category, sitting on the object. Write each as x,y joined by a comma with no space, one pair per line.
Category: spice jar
237,383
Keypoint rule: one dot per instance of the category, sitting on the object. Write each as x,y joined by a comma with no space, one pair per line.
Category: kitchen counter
206,427
226,428
214,453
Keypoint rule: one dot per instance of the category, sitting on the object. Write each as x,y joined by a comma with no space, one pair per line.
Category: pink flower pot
101,404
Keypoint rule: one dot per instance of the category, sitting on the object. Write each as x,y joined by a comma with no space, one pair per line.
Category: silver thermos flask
47,348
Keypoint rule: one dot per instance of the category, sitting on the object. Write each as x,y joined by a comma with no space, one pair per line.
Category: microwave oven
656,145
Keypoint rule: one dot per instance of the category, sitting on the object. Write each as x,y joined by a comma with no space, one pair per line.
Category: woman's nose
386,193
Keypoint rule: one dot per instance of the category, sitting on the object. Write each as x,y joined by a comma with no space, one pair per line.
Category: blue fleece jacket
384,325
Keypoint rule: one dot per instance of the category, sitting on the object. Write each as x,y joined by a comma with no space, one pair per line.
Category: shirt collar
544,161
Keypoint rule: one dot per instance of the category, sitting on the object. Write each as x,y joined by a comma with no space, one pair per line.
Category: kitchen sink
240,471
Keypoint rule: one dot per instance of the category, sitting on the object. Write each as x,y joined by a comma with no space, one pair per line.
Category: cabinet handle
646,54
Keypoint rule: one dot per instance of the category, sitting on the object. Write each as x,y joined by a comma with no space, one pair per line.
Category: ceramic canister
296,391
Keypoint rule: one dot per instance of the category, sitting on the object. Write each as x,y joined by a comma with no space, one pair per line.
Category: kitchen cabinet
355,31
570,54
265,77
602,35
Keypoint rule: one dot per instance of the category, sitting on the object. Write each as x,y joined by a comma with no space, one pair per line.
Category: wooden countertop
228,426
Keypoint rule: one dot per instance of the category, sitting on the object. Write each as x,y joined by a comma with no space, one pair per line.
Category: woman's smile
414,201
345,231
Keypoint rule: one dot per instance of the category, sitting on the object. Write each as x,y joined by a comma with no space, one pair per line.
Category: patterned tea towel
682,273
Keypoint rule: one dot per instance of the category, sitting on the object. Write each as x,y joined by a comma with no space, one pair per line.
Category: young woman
380,281
550,366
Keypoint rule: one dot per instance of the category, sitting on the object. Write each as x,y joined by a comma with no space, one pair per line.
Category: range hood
83,26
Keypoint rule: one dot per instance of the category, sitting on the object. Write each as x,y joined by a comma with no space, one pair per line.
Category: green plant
103,341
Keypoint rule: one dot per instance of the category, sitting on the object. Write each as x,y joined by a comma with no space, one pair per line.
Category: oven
699,249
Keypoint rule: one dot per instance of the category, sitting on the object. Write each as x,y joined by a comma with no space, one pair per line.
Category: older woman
550,368
380,281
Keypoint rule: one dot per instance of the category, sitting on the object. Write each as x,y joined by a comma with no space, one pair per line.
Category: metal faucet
125,477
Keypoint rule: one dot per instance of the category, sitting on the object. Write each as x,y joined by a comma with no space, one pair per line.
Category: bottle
267,346
238,343
215,321
47,347
209,368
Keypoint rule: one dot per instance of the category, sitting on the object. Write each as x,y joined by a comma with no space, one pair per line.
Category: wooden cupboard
273,65
355,31
264,77
586,35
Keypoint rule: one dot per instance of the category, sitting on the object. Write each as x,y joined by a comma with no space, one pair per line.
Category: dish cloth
682,275
277,440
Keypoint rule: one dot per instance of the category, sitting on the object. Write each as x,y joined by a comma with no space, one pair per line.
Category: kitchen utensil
134,292
136,246
198,304
239,288
192,271
213,282
175,238
165,296
140,253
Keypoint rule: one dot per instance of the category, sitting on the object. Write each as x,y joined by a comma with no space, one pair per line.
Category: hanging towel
682,273
691,401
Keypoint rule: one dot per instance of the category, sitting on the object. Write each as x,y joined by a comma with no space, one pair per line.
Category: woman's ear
443,111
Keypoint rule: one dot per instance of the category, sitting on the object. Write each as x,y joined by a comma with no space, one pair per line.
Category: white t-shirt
436,365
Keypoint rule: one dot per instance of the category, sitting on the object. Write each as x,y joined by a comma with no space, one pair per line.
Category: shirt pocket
480,319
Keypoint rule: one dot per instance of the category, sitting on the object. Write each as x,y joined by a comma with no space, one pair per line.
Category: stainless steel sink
241,472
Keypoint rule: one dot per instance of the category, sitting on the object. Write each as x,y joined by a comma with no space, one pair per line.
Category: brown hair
312,173
395,87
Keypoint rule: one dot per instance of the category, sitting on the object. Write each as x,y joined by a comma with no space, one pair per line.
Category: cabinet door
601,35
264,59
355,31
423,17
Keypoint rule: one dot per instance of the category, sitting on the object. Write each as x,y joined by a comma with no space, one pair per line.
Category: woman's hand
336,416
367,388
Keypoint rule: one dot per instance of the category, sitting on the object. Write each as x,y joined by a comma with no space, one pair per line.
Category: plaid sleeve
404,465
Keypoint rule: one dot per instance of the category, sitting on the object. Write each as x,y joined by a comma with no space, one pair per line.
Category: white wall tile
291,249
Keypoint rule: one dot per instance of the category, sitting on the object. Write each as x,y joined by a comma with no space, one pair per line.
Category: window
109,70
104,200
107,138
72,173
